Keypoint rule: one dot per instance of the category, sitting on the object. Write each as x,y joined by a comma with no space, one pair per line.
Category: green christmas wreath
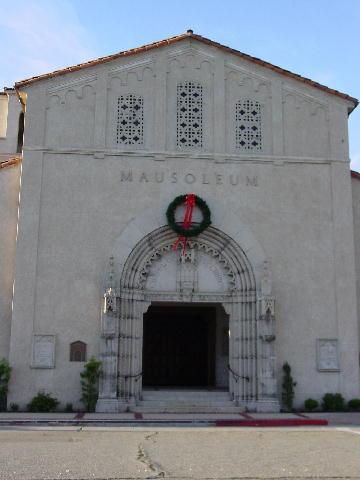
195,228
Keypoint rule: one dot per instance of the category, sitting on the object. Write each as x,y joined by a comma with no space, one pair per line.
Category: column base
268,406
111,405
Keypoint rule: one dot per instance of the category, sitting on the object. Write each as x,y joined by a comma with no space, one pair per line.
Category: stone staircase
186,401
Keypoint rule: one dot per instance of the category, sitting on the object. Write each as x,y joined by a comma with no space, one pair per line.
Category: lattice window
248,125
78,351
189,131
130,120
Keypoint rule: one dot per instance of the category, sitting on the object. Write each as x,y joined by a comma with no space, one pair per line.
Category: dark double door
179,347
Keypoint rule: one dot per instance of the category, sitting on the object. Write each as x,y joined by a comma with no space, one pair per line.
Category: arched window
189,129
20,140
130,120
78,351
248,134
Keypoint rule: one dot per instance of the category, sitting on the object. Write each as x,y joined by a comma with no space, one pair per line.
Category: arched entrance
213,271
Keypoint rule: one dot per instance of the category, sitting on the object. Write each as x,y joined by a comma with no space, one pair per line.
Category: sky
318,39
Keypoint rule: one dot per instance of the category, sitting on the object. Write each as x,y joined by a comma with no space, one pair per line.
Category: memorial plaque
328,355
43,351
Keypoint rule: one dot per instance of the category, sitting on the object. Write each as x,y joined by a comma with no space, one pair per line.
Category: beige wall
9,196
3,114
294,196
10,109
355,183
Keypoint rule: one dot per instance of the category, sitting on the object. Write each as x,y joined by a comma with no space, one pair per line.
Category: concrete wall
9,196
10,109
80,189
355,183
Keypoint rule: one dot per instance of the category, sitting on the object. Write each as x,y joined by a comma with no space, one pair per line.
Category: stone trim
251,349
189,35
249,157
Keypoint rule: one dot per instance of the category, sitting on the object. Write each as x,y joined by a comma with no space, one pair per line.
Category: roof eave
189,34
355,174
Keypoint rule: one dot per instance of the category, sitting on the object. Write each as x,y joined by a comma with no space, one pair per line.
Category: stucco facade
278,260
10,157
355,183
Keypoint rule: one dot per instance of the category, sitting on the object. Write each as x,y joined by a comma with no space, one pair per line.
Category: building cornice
189,35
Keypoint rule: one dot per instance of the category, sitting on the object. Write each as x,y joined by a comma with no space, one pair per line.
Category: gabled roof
179,38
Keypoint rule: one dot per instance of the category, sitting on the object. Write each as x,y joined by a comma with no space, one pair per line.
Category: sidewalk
206,419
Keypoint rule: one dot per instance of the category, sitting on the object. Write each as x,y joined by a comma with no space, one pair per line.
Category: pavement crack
151,436
144,457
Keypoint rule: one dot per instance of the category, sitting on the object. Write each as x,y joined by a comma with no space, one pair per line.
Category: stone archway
214,269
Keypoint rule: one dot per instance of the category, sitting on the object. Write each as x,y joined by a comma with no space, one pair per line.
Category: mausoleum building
258,267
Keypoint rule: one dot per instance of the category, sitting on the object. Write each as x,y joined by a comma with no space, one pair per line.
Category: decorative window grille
130,120
248,125
78,351
189,131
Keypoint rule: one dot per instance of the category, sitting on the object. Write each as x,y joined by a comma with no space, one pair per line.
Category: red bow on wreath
187,221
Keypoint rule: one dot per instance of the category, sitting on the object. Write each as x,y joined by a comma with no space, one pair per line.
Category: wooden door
179,346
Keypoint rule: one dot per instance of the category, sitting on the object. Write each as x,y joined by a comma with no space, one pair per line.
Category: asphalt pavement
34,453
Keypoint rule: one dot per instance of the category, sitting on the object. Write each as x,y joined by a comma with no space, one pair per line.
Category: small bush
310,404
14,407
69,408
90,383
354,404
333,402
43,402
5,373
288,392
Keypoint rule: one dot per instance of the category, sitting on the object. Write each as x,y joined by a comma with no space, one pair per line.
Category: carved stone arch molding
216,268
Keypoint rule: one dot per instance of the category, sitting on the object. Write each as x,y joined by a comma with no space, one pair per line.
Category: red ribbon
187,221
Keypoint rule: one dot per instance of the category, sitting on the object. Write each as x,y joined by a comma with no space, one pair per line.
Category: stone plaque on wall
328,355
43,351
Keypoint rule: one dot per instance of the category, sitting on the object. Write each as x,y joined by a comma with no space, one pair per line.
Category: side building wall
10,172
10,111
9,200
355,182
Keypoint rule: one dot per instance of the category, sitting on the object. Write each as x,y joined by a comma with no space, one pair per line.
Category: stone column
109,342
237,367
133,307
267,387
108,355
233,334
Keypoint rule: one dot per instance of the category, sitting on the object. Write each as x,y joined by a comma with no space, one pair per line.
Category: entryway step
186,401
146,408
185,394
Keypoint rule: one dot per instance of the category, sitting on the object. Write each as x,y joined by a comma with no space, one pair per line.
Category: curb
280,422
265,422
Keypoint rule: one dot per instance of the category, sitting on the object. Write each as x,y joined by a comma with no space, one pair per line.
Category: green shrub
43,402
354,404
310,404
288,392
14,407
90,383
5,373
69,408
333,402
